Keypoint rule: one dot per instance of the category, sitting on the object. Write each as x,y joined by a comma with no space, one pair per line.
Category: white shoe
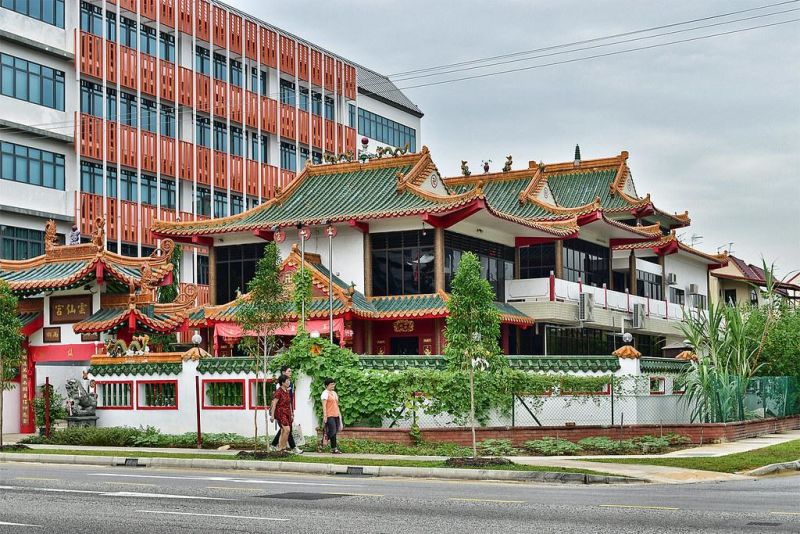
297,450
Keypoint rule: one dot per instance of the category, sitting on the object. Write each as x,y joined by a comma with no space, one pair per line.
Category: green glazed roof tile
122,369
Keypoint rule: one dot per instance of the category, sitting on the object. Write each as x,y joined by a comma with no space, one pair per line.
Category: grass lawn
732,463
308,459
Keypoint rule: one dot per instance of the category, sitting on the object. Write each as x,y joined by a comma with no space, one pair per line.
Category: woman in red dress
281,411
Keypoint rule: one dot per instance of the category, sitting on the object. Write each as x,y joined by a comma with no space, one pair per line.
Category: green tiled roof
225,365
56,272
575,189
599,364
663,365
112,319
503,196
122,369
409,304
362,194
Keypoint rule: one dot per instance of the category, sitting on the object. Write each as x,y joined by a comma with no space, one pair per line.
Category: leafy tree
301,298
260,313
473,328
782,343
10,344
167,294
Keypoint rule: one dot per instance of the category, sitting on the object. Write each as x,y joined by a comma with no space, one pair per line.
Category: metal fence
629,401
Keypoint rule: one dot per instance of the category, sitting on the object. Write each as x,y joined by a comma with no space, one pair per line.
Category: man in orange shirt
332,421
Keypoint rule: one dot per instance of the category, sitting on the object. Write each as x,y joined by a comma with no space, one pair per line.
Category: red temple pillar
27,391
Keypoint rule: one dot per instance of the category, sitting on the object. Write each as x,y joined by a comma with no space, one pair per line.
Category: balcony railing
556,290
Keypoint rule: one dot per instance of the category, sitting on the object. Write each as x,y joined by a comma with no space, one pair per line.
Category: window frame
144,383
253,385
131,394
241,381
662,380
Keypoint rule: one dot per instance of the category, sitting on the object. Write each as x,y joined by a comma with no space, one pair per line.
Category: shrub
605,445
651,444
677,440
552,447
497,447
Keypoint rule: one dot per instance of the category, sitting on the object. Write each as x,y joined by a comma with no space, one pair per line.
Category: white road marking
18,524
638,507
227,479
212,515
114,493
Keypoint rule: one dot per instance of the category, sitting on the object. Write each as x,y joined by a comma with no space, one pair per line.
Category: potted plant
57,409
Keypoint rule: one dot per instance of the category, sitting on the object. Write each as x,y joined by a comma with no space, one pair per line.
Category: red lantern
279,236
305,233
330,230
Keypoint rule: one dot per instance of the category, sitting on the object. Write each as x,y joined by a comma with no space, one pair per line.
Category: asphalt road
65,499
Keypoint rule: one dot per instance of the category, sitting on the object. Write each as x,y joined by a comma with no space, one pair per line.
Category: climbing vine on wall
368,396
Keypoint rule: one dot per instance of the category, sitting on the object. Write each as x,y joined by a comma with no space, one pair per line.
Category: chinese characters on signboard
51,334
65,310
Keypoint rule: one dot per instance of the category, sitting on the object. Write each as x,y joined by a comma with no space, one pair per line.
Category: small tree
473,328
301,298
167,294
260,314
10,344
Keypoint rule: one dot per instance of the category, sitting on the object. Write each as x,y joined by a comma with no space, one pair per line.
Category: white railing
557,290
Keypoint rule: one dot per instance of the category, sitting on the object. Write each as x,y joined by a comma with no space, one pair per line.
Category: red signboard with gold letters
64,310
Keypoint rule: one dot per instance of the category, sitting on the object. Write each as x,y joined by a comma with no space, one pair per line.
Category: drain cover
131,462
763,524
299,496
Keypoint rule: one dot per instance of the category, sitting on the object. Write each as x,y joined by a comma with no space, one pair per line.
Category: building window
557,340
127,32
658,385
316,104
20,243
236,141
157,394
203,133
699,301
223,394
385,130
730,297
202,60
203,201
255,76
148,41
303,99
497,261
111,104
287,92
49,11
167,193
220,136
351,115
329,108
114,395
202,270
402,263
256,150
649,285
237,204
32,82
252,202
91,18
127,109
32,166
128,186
288,157
677,296
149,113
260,396
166,47
236,73
537,261
149,190
236,266
92,179
220,204
753,297
220,68
167,121
587,261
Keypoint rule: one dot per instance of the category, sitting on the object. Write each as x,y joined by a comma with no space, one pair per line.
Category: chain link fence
639,400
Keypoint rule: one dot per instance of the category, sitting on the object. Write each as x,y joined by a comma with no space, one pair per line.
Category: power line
573,50
585,58
586,41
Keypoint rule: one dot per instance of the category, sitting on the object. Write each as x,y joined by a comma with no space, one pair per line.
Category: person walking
286,370
331,414
281,411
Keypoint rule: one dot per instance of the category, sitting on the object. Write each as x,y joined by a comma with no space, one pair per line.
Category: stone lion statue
80,403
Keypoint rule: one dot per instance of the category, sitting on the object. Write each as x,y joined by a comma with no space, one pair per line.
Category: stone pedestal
84,421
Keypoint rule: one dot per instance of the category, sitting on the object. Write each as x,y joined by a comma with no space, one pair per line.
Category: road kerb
326,469
775,468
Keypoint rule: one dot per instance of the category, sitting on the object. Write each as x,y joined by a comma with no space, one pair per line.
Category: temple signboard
70,309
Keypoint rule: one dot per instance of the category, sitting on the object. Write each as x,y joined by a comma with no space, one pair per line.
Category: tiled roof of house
669,244
65,267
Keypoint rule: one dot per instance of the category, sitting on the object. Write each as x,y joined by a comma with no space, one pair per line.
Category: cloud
712,126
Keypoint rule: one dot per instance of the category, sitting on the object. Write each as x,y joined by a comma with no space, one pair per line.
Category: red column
27,390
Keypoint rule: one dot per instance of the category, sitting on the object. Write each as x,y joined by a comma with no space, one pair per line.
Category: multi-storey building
137,110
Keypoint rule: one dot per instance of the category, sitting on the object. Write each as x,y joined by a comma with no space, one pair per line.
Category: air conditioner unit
672,279
586,307
637,321
693,289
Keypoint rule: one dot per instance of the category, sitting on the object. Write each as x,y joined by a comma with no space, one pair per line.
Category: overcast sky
712,126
